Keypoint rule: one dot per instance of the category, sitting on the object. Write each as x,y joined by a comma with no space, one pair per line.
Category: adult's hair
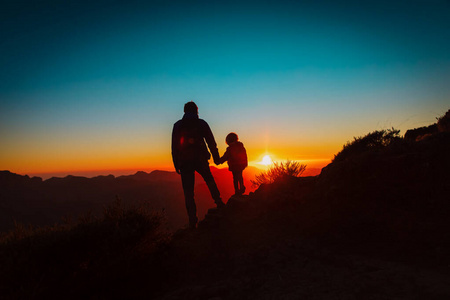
191,107
231,138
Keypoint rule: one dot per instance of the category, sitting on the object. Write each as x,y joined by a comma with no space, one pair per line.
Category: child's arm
224,158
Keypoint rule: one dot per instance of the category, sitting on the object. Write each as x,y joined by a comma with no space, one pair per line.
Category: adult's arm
209,138
175,142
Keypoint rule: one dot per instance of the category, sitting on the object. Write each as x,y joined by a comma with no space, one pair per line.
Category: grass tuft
279,170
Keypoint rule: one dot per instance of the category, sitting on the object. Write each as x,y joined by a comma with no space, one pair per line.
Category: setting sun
266,160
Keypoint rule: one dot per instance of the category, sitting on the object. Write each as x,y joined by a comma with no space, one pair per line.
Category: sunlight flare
266,160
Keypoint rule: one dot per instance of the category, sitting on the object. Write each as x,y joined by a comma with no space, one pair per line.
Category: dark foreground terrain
373,225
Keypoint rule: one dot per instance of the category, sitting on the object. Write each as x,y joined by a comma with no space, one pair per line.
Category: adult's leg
202,167
188,181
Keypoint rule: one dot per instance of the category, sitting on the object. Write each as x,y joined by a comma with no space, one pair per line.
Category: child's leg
241,182
236,182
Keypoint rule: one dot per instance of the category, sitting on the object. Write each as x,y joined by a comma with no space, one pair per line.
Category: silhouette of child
236,156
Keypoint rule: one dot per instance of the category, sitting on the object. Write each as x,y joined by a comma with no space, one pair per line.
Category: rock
418,134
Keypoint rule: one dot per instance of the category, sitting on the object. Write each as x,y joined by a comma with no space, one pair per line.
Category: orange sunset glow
94,154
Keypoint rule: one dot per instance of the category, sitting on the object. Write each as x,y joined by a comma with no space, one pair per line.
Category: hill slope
373,226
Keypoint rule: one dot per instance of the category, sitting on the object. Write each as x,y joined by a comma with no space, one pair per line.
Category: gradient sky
97,85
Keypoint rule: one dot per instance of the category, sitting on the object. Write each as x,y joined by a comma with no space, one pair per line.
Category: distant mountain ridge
31,200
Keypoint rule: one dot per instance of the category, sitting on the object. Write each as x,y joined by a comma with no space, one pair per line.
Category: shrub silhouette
443,123
375,140
94,251
279,170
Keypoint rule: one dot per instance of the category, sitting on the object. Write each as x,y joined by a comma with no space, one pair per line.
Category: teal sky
93,84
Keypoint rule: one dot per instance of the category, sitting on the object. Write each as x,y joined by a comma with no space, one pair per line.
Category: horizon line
130,171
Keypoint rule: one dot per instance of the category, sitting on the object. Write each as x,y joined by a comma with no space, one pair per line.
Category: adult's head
191,107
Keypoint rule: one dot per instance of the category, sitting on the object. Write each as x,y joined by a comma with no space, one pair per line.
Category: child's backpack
238,156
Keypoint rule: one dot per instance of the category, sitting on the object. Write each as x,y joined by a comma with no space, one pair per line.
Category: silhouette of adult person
190,155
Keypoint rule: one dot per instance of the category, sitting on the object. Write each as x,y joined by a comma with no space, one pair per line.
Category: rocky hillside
372,226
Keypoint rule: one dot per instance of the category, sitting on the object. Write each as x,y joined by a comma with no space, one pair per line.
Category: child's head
231,138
